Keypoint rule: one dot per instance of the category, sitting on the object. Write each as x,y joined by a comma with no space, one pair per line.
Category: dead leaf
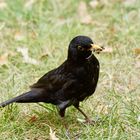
137,64
29,4
26,57
2,25
129,2
46,53
84,16
3,5
52,135
97,3
4,59
108,50
94,3
19,36
137,51
33,34
138,119
32,119
112,29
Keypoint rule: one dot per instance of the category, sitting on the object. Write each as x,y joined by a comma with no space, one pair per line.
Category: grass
48,26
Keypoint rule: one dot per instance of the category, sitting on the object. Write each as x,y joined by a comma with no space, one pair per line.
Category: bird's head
81,47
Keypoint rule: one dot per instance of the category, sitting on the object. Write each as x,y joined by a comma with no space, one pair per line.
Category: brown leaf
137,51
46,53
26,57
33,34
52,135
84,16
19,36
32,119
4,59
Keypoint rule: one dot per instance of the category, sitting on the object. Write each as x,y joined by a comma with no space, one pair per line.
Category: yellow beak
96,48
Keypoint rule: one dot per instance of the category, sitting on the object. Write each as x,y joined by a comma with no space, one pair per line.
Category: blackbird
70,83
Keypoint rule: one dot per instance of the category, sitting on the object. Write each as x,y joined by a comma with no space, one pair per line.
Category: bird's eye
80,48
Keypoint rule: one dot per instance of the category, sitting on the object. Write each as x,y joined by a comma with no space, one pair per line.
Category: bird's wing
61,86
51,81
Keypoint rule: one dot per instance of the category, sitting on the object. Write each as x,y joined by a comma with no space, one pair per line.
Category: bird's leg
76,105
87,119
62,114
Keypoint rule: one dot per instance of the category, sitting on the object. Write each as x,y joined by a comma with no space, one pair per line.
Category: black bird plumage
70,83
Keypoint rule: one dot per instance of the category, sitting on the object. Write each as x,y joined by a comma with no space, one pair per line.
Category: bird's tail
28,97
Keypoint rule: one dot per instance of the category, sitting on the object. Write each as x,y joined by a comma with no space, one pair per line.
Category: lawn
45,27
